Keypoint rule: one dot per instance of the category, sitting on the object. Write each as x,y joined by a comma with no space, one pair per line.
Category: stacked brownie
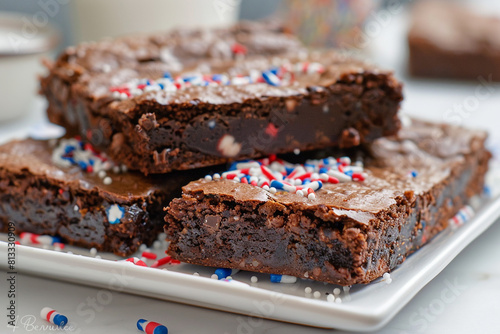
153,113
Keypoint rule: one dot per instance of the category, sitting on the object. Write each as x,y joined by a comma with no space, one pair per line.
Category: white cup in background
22,44
96,19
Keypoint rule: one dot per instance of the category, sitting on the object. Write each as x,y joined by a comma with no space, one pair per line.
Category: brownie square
190,99
55,190
346,232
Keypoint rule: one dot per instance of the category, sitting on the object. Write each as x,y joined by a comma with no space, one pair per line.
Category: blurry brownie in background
449,40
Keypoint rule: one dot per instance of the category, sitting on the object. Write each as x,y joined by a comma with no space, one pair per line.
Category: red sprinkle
267,172
244,180
61,191
149,255
162,261
272,131
58,244
239,49
358,177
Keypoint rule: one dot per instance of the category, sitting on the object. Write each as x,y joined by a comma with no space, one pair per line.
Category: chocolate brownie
162,104
79,201
341,223
448,40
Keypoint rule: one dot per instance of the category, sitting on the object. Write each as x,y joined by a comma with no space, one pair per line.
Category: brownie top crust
455,27
420,157
109,72
36,157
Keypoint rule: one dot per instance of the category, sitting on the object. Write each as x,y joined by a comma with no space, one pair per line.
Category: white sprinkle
338,300
300,193
143,259
325,108
297,182
336,291
254,279
93,252
143,247
116,169
346,288
317,294
124,169
308,290
98,257
236,218
162,236
76,208
102,174
57,248
157,244
229,277
386,275
296,151
216,176
388,281
214,276
272,190
311,196
306,274
70,253
266,187
196,274
330,298
107,180
208,178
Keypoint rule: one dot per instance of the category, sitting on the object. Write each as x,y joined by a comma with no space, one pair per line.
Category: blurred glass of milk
96,19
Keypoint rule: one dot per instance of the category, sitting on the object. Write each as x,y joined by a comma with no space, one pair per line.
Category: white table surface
472,307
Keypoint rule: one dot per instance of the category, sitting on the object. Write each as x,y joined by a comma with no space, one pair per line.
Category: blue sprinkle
162,86
233,165
462,216
217,77
414,173
274,70
271,78
191,78
349,173
289,170
222,273
56,239
148,82
276,184
275,278
91,162
82,165
487,191
323,170
309,165
167,75
326,161
69,149
305,181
